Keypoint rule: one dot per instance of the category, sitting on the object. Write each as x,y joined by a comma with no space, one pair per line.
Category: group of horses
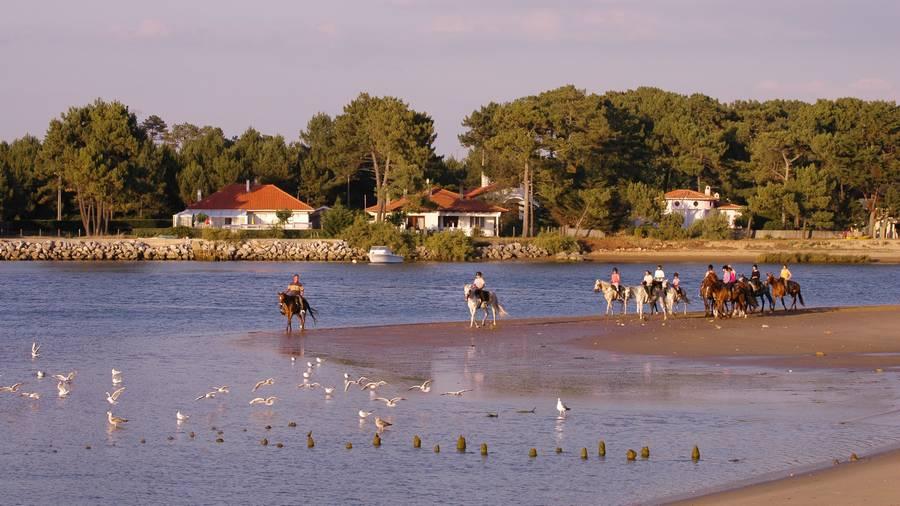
720,299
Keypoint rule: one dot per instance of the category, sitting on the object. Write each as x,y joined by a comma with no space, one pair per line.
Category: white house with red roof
694,205
245,206
442,209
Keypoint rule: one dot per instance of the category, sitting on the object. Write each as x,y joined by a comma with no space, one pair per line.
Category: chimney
708,191
485,180
199,195
248,186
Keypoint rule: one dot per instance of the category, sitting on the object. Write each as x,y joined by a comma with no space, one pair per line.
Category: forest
587,160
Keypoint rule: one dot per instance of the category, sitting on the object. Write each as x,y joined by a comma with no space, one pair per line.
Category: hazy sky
272,64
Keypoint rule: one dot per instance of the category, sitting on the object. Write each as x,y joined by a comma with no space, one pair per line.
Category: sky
273,64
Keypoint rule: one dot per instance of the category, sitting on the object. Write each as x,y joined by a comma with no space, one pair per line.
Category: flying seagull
35,350
113,398
268,401
372,385
270,381
65,379
181,418
458,393
424,387
208,395
63,389
116,377
12,388
391,403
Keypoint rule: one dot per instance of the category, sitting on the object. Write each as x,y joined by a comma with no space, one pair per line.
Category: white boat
383,255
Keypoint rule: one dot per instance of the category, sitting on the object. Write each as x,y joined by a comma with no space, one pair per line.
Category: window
227,221
696,203
450,221
676,204
477,221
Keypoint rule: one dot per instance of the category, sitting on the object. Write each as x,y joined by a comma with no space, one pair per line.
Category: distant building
513,198
245,206
694,206
446,210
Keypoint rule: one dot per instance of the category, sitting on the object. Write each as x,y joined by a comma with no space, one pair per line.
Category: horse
291,305
707,293
780,288
720,294
761,291
475,303
611,295
641,297
670,297
742,298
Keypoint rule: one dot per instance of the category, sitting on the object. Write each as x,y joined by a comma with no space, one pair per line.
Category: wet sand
855,338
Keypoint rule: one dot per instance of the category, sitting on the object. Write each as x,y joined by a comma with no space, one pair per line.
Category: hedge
221,234
73,227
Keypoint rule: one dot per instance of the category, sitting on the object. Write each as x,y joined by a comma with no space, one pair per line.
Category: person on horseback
478,285
728,276
755,274
616,281
785,273
647,282
295,287
676,284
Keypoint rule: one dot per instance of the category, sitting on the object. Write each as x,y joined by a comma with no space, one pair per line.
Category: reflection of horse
291,305
780,288
611,295
475,303
671,297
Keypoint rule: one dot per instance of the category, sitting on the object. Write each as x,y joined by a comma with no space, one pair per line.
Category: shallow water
177,329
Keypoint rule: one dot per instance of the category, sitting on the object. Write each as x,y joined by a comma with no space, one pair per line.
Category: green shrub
713,227
555,243
811,258
670,227
200,218
450,246
180,232
336,219
363,235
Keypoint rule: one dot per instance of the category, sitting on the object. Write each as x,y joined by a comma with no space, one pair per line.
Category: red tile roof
730,206
262,197
445,200
688,195
482,190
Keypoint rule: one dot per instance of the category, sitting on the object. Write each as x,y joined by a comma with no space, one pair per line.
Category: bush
363,235
670,227
336,219
220,234
180,232
713,227
811,258
555,243
450,245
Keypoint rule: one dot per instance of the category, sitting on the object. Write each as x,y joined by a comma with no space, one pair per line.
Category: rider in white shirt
478,284
647,281
659,276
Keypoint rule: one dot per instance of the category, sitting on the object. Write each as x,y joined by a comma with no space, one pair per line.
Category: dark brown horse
780,288
742,298
707,293
291,305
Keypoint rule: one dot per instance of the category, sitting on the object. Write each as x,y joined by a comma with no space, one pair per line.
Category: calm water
174,328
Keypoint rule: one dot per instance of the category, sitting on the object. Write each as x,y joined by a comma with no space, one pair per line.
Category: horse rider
676,284
295,288
785,273
647,282
478,284
616,281
659,276
710,270
755,274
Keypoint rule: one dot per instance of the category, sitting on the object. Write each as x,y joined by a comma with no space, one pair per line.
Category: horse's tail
501,310
309,309
800,296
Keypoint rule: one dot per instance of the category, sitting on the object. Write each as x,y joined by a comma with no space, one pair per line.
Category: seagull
31,395
65,379
382,424
208,395
268,401
348,381
293,359
391,403
364,414
270,381
562,408
424,387
328,391
35,350
222,389
115,421
457,393
180,418
310,386
319,361
113,398
372,385
63,389
309,365
116,377
306,375
40,374
12,388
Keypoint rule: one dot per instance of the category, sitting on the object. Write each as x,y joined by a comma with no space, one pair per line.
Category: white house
511,197
245,206
446,210
694,206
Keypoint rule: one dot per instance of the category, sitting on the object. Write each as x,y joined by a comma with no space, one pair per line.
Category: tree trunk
379,215
526,202
59,198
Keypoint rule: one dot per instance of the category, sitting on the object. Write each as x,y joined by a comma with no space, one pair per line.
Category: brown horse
780,288
742,298
291,305
707,293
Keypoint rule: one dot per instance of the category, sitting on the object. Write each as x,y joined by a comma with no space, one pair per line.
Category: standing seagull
35,350
364,414
113,398
562,408
181,418
41,374
270,381
382,424
328,391
115,421
424,387
116,377
63,389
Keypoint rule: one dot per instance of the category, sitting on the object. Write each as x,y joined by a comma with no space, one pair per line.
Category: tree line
581,159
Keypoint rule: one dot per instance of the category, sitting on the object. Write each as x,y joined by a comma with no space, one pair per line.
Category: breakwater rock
132,249
516,250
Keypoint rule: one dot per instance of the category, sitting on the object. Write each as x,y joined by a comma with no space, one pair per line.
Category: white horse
611,295
475,304
670,298
641,297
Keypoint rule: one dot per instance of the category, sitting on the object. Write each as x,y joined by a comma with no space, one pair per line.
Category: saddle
483,295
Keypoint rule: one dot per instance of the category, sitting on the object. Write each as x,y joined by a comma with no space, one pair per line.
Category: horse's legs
782,303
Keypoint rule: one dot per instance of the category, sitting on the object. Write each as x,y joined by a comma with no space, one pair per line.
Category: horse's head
598,285
769,278
281,297
467,290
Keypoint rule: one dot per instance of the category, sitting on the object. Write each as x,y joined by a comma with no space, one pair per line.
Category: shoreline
857,338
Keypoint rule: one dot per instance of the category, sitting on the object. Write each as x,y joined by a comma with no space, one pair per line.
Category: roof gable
445,200
263,197
688,195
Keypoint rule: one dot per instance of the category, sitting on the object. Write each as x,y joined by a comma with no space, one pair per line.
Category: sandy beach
859,338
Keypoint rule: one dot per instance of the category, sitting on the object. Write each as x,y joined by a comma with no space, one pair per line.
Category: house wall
241,219
692,210
434,222
299,219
